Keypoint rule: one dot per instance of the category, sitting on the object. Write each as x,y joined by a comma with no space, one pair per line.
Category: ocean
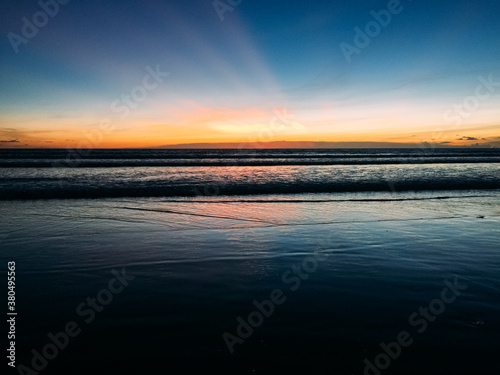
373,261
59,174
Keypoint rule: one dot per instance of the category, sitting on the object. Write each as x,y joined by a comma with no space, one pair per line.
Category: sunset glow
202,80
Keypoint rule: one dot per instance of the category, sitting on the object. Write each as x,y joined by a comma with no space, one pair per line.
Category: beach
322,282
250,187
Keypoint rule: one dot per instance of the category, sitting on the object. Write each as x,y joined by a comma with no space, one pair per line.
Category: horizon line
286,145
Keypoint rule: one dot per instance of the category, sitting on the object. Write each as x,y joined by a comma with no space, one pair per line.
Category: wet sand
320,282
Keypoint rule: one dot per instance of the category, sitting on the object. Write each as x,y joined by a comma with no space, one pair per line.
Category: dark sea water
358,247
157,173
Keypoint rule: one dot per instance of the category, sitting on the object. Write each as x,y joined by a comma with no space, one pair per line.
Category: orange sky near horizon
195,79
196,124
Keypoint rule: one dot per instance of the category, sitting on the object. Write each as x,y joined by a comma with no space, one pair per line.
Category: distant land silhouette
312,144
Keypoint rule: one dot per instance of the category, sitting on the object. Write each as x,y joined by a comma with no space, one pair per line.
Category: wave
48,158
242,163
136,190
40,174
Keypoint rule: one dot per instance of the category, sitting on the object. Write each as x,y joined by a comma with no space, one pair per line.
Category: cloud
9,141
468,139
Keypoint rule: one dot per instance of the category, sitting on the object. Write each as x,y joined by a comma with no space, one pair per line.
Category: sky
98,74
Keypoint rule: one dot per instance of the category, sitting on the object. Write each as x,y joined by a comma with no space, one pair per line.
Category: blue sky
227,76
